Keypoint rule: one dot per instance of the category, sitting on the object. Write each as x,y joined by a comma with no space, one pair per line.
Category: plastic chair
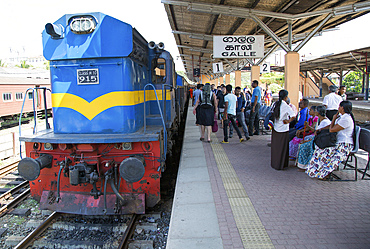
365,145
352,154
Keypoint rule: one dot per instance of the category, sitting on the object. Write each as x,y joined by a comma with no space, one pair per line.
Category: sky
24,20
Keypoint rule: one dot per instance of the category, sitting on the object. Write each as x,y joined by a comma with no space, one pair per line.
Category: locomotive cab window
7,97
159,71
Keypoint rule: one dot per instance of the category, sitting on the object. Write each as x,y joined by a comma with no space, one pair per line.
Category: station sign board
218,67
238,46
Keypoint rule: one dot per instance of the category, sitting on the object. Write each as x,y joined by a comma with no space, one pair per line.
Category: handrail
34,113
160,111
164,97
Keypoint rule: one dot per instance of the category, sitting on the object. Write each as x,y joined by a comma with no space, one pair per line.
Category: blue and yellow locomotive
117,101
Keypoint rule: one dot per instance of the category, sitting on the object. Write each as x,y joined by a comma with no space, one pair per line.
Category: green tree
274,79
353,81
275,88
2,64
24,64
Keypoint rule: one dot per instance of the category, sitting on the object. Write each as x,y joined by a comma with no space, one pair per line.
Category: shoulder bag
325,139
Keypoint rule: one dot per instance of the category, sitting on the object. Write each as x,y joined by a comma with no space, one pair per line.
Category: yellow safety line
251,230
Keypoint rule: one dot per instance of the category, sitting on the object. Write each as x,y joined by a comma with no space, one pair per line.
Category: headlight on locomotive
132,169
82,25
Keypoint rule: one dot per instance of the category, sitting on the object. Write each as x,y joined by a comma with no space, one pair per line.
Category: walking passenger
255,103
191,96
197,92
230,114
240,111
268,96
282,115
206,108
221,104
196,97
331,102
324,161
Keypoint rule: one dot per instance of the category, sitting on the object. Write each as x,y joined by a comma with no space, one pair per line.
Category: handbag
215,124
325,139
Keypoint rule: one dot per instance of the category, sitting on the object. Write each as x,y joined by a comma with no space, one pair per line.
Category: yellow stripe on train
104,102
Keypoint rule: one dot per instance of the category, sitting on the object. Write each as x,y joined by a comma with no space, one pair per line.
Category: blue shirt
302,118
196,95
256,92
231,99
241,103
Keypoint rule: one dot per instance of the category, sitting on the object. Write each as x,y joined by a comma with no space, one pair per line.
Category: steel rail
128,233
6,208
8,168
40,229
12,191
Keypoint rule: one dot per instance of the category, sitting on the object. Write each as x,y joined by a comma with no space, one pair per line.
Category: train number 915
87,76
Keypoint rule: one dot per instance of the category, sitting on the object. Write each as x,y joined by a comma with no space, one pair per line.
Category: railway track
32,238
16,194
8,169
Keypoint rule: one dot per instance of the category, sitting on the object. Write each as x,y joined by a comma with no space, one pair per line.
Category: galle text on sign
243,46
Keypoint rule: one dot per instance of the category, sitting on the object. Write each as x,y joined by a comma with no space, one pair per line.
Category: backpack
206,96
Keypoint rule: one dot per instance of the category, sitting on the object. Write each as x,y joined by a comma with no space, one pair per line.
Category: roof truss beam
197,49
247,12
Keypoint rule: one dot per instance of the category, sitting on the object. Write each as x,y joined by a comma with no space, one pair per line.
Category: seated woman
306,150
324,161
306,132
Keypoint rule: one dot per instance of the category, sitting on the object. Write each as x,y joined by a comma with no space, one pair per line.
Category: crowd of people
295,133
332,122
233,107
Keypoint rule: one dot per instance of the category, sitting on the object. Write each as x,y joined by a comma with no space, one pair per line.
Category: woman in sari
324,161
306,149
304,134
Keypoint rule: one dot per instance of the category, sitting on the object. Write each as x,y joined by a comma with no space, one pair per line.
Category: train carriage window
7,97
159,71
18,96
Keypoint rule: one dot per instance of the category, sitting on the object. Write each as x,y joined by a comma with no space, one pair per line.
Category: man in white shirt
230,114
332,101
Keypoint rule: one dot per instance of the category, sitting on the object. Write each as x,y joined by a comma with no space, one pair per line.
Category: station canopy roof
354,60
194,23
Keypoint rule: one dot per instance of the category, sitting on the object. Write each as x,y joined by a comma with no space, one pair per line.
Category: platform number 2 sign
265,67
218,67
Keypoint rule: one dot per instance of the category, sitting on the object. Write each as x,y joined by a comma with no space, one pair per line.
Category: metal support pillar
363,81
290,34
321,76
367,85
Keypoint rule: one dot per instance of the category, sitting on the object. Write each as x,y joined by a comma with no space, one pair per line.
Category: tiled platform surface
194,222
293,210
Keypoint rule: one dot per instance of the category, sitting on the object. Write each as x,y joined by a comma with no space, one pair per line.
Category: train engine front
113,112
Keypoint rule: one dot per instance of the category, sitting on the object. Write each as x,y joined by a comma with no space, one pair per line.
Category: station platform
360,108
228,196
